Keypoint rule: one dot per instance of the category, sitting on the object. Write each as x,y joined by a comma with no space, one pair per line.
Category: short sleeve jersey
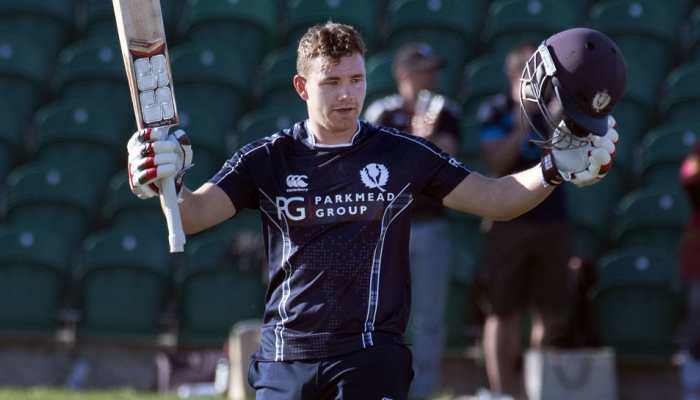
336,231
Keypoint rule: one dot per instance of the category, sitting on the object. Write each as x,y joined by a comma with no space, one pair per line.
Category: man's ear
299,83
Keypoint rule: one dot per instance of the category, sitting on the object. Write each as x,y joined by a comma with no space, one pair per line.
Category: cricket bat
147,64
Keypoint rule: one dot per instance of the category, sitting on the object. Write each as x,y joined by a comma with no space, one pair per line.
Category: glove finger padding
155,155
584,165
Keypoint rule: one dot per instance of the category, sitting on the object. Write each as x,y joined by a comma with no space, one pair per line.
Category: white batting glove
155,154
583,165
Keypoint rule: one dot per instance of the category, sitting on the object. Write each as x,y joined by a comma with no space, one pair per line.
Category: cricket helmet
581,73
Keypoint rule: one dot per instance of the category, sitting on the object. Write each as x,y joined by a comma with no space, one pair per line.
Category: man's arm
205,207
499,199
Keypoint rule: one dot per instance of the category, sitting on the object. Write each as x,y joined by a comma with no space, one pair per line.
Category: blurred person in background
523,271
418,110
690,267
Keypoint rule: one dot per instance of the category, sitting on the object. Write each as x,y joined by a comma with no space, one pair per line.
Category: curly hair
332,40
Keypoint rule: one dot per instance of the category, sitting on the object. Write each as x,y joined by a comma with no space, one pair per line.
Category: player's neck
325,137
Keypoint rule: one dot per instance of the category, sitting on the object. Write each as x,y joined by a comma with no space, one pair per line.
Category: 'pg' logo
295,214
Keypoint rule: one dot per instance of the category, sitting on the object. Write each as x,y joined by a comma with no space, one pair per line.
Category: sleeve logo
375,176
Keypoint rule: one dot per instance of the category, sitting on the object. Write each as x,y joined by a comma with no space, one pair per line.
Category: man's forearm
522,191
204,208
186,211
499,199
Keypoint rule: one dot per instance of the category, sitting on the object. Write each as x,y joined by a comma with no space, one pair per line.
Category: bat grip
171,210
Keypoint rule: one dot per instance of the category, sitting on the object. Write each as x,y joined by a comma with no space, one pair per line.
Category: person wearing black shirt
334,195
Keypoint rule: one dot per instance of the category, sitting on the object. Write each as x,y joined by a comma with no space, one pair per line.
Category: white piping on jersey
373,301
407,137
233,167
286,287
312,137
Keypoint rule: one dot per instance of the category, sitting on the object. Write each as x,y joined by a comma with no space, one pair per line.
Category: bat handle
171,210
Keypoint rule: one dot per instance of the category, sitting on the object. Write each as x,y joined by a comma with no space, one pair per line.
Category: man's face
334,92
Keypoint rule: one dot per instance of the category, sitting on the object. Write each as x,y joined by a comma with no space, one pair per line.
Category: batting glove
581,165
155,154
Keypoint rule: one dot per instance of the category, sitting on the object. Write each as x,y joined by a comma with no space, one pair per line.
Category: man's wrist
550,172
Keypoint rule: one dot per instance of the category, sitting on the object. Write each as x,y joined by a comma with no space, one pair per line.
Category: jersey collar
310,139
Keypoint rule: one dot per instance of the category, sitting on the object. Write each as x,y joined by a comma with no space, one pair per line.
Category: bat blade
146,60
145,53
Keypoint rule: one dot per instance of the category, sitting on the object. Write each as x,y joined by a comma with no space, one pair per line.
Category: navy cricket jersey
336,230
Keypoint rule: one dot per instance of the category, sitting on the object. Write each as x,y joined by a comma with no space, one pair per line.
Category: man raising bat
334,195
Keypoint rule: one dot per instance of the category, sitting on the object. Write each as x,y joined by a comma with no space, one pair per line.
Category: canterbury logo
375,176
297,183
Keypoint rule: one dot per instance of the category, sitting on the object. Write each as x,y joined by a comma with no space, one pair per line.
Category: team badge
601,100
375,176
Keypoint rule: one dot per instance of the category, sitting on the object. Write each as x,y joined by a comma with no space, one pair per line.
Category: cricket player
334,194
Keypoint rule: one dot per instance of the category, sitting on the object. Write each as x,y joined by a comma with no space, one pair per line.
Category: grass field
55,394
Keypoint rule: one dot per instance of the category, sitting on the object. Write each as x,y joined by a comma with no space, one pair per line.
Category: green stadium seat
83,132
88,66
207,114
450,27
694,34
276,72
10,131
245,25
99,18
645,31
210,62
651,216
40,194
61,10
361,14
259,124
483,77
380,76
512,22
7,160
625,158
646,75
211,88
663,151
632,120
123,277
646,18
682,94
592,207
33,276
24,67
123,209
204,166
45,22
636,302
215,292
